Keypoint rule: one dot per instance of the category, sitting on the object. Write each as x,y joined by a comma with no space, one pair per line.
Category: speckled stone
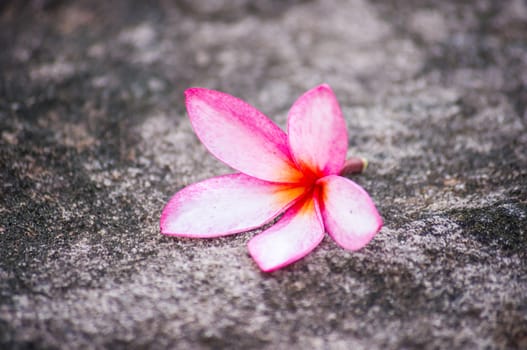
94,139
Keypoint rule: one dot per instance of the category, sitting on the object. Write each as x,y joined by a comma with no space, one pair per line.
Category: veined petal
317,132
350,216
241,136
224,205
297,233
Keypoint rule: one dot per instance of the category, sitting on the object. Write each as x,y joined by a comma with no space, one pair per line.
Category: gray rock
95,139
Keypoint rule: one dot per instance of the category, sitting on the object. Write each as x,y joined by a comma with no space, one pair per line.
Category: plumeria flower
296,174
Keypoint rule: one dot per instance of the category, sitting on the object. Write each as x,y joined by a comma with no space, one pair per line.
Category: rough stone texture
94,140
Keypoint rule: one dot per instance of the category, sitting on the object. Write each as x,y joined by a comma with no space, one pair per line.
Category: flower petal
317,132
350,216
297,233
241,136
224,205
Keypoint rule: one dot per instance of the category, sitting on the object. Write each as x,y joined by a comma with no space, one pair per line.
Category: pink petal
224,205
241,136
350,216
317,132
297,233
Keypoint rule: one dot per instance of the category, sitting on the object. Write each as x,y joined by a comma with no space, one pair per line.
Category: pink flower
296,173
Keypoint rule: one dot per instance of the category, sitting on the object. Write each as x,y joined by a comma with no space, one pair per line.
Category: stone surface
95,139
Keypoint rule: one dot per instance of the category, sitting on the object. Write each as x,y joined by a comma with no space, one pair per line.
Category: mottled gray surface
94,140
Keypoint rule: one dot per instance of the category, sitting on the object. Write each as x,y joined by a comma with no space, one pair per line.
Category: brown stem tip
354,165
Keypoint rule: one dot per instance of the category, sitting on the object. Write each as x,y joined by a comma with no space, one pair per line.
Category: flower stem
354,165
